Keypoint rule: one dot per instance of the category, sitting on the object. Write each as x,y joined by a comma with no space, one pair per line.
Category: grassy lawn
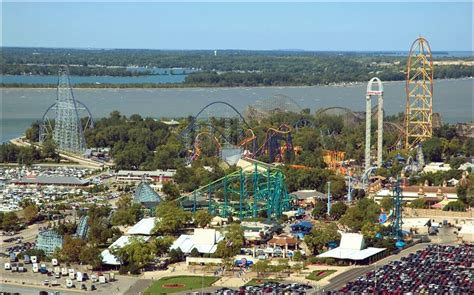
189,282
320,274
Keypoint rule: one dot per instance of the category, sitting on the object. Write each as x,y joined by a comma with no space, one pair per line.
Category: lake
452,98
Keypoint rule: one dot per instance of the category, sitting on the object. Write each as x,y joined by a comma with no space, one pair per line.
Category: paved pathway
139,287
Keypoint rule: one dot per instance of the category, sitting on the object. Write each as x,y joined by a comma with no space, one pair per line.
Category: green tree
202,218
233,242
320,210
71,249
30,213
194,253
137,254
297,256
162,245
32,133
337,210
176,255
455,206
386,203
91,255
261,267
365,210
9,221
432,149
127,213
49,149
171,190
418,203
170,218
320,236
370,230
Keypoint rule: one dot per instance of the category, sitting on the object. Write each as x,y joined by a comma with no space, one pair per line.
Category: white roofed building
109,258
205,240
352,247
143,228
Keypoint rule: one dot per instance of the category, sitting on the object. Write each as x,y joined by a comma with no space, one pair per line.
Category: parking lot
268,288
443,269
46,281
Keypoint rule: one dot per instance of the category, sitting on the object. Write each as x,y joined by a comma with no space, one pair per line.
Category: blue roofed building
300,229
146,196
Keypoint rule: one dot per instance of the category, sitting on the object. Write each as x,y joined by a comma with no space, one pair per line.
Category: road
82,161
339,281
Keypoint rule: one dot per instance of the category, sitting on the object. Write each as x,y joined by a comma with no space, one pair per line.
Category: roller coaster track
244,193
193,122
197,145
271,144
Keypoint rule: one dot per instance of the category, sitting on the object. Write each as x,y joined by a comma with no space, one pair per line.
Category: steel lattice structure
68,132
245,193
397,211
419,94
46,127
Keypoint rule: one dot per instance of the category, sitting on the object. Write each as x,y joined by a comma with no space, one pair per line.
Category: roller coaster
197,150
272,145
230,133
250,192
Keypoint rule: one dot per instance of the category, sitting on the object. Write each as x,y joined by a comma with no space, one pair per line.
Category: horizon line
234,49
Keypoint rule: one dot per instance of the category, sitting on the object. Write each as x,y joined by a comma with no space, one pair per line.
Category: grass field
320,274
189,282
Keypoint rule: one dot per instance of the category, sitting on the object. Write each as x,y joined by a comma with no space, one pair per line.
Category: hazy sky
309,26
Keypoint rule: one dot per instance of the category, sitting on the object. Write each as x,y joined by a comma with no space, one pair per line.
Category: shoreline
172,87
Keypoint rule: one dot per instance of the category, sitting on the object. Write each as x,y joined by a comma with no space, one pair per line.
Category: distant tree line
227,69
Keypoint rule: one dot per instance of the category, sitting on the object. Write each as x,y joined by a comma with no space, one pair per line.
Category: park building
142,230
432,194
133,176
49,241
57,180
146,196
204,240
308,198
352,249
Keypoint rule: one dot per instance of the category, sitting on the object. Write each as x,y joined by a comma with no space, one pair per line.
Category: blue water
453,99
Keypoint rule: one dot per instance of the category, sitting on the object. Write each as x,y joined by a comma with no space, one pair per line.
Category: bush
455,206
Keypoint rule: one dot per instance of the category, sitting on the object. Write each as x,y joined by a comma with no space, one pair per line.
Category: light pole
329,198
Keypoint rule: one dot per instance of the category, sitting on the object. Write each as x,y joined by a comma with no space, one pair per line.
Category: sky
344,26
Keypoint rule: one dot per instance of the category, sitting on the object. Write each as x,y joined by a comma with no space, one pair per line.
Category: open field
181,283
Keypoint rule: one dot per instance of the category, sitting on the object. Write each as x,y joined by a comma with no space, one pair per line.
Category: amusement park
276,192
